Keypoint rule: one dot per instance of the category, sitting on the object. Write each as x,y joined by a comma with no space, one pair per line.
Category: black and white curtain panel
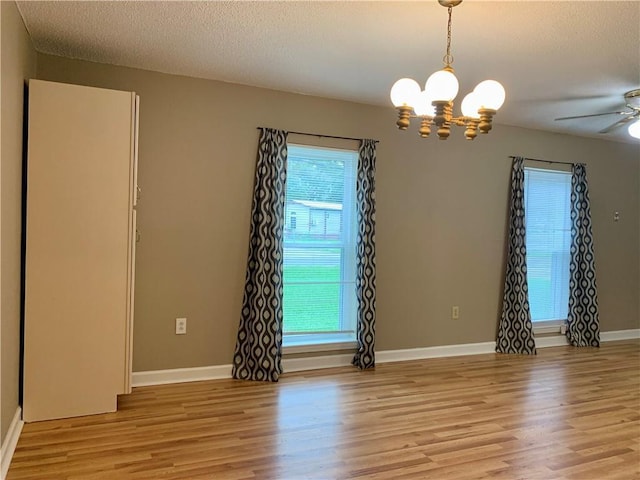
258,353
366,255
583,328
515,332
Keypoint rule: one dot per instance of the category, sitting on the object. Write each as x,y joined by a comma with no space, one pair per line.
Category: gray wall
442,208
18,60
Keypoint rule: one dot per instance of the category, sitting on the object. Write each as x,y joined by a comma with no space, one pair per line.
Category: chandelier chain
448,58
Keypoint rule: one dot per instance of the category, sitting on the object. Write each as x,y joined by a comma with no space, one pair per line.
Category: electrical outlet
455,312
181,326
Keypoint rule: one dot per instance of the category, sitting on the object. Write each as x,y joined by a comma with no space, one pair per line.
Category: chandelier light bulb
422,105
491,94
470,105
442,85
404,91
634,129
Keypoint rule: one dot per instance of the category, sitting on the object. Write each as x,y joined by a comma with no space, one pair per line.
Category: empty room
289,240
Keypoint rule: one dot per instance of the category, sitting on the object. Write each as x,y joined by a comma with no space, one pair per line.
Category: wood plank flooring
563,414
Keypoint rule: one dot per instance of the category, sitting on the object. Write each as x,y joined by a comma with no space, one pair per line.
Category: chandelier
434,104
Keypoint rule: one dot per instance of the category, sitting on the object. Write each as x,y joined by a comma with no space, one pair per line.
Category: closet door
79,252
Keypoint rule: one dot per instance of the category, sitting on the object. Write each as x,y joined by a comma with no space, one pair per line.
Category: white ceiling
554,58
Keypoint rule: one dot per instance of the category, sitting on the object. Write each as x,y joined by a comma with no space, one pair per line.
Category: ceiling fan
632,100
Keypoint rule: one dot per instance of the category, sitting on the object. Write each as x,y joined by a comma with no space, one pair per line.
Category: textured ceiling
554,58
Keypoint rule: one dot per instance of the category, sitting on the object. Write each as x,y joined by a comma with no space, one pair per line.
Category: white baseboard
180,375
217,372
620,335
560,340
10,443
386,356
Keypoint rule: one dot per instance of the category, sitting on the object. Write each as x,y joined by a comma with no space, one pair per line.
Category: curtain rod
539,160
322,136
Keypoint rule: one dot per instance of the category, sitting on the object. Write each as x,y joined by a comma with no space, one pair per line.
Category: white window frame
542,327
345,339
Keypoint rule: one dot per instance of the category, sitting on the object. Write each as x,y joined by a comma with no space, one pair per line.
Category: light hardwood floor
563,414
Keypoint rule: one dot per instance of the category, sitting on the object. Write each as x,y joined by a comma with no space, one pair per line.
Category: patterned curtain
258,352
515,333
366,255
583,329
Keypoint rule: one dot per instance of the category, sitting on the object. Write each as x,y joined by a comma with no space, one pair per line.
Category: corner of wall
18,59
10,442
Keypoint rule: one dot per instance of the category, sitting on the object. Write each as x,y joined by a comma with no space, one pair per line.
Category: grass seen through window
306,282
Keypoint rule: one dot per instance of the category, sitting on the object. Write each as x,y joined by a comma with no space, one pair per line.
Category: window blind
548,241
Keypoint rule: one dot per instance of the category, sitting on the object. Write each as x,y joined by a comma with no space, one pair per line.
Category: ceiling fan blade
618,124
594,115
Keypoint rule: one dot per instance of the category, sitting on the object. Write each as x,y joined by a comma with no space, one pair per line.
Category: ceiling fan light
491,94
634,129
442,86
404,91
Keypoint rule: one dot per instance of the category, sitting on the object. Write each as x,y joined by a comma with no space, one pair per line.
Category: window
548,236
319,262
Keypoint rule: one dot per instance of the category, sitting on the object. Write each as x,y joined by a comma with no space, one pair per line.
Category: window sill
318,342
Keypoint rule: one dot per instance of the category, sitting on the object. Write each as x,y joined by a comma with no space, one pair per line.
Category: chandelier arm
486,119
471,131
425,127
404,113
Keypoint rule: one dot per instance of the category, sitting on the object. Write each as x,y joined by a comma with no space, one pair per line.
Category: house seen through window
319,245
548,241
